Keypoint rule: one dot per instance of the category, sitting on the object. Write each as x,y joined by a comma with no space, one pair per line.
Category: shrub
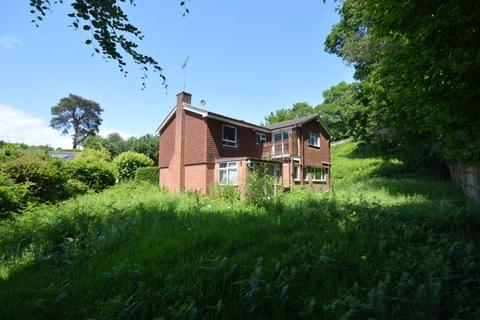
127,162
13,196
46,177
147,174
96,174
262,186
94,155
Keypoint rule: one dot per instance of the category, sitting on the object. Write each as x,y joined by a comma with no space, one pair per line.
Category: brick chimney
178,159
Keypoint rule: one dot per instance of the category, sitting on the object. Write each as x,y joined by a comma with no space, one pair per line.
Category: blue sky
247,58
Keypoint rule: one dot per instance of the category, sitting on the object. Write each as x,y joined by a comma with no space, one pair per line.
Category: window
296,173
279,136
305,174
229,136
314,139
227,173
261,138
316,174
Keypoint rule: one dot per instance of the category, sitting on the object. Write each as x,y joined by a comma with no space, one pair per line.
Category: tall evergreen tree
77,115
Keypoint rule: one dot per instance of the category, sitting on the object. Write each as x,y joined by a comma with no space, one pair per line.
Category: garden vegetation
383,244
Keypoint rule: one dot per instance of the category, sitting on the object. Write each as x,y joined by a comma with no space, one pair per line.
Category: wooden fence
468,177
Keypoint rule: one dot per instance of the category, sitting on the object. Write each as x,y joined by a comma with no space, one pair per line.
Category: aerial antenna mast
184,68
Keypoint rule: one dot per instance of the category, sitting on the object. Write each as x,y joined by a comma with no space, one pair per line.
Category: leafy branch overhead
110,31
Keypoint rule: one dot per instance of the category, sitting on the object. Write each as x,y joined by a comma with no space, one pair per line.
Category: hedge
147,174
127,162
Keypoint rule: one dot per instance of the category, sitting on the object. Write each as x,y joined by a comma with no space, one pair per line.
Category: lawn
384,244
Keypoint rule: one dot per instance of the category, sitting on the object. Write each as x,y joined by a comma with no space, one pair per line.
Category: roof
212,115
293,122
297,122
268,128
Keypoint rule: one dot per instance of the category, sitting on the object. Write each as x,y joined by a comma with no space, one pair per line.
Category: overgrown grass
382,245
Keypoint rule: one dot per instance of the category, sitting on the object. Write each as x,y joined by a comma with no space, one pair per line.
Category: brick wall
195,138
315,156
166,144
196,178
246,140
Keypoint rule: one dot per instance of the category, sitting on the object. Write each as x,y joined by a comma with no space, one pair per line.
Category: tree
109,30
298,109
108,26
77,114
347,112
420,61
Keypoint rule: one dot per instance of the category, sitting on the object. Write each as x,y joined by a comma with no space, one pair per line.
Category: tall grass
382,245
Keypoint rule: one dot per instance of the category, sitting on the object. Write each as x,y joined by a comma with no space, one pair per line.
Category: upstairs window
261,138
229,136
279,136
314,139
227,173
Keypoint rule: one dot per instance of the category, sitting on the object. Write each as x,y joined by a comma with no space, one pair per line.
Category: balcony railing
276,149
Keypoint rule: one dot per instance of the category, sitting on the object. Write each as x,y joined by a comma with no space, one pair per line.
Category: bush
13,196
46,177
147,174
94,155
127,162
262,186
95,174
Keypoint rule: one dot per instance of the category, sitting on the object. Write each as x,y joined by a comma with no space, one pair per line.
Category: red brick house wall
191,145
195,138
167,144
246,141
315,156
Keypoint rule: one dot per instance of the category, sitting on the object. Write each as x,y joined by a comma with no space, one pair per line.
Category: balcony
276,149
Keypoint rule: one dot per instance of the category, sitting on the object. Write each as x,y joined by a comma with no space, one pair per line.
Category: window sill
227,146
312,146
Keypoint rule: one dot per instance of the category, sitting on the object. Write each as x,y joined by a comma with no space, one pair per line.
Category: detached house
199,149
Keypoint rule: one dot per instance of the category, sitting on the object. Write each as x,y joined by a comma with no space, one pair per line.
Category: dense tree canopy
77,114
115,144
421,63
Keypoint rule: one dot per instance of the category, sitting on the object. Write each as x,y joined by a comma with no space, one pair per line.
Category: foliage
347,112
127,162
420,62
79,114
101,154
13,196
227,193
262,187
147,174
92,168
109,30
298,109
115,144
148,145
383,246
46,177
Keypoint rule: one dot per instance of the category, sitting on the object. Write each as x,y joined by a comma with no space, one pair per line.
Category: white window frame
315,140
296,170
228,168
263,138
227,142
284,137
316,174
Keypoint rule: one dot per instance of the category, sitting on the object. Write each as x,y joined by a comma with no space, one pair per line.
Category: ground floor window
227,173
315,174
296,172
